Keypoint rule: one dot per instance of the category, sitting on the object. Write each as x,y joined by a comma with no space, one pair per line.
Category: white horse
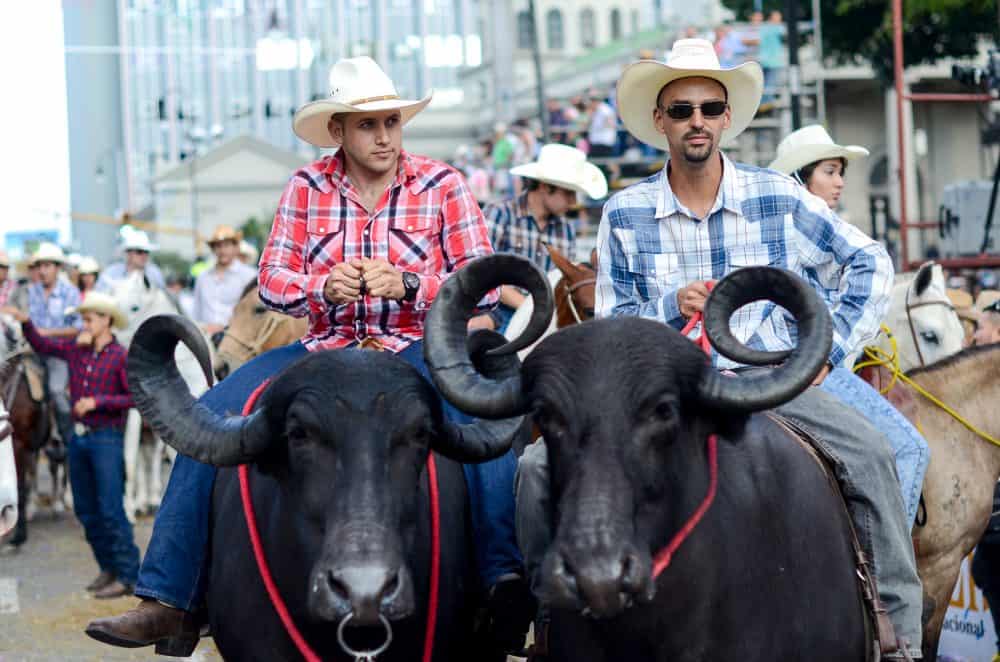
922,319
8,476
140,300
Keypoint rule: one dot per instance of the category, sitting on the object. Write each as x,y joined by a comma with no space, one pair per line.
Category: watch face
411,281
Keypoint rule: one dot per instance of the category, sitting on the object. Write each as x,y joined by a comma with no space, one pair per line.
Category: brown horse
252,330
31,428
575,291
964,468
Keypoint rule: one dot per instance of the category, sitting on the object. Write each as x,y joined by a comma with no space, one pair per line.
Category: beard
698,153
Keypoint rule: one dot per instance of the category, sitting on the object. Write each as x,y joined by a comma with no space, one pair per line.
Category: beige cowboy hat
88,265
225,233
358,86
249,252
137,240
642,81
810,144
566,167
96,302
48,252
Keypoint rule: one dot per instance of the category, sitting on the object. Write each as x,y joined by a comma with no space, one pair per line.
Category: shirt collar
727,198
408,174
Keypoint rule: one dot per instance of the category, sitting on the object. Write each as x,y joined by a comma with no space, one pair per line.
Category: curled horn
163,398
445,333
798,367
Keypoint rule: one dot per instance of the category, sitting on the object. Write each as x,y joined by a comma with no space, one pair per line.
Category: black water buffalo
338,444
626,406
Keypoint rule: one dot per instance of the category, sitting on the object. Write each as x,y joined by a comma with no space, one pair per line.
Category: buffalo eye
663,412
297,434
549,422
931,337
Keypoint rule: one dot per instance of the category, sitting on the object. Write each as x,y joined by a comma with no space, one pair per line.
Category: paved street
43,607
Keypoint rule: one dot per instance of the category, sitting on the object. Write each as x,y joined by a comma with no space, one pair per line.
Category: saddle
34,374
880,634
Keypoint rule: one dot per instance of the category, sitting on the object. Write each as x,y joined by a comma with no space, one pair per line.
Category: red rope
278,603
665,555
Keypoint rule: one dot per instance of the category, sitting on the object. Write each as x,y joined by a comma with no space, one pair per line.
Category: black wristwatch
411,283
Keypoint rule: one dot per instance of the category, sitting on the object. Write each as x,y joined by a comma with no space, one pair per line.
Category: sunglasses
683,110
993,307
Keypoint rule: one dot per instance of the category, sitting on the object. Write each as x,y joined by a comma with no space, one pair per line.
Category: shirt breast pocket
324,244
411,244
657,273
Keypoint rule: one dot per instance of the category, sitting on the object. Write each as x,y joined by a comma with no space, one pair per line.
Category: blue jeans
97,479
908,445
174,570
503,313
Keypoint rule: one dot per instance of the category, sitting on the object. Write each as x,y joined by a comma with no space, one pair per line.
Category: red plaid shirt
98,376
427,222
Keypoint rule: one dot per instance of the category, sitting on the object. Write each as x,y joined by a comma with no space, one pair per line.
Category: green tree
861,30
256,231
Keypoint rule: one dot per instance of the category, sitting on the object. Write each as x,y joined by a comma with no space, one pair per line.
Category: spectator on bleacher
729,46
525,224
503,159
557,120
770,53
602,132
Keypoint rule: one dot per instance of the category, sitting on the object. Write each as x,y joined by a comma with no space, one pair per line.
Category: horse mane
955,360
252,285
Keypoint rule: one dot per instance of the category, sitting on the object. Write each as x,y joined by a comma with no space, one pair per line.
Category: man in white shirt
218,289
137,248
603,132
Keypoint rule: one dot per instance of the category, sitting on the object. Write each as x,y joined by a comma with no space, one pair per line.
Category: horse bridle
570,289
909,320
271,325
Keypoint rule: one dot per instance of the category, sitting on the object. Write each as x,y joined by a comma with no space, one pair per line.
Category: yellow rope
876,356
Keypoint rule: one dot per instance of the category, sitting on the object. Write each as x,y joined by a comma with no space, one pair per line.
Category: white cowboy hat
810,144
48,252
566,167
88,265
249,251
358,86
642,81
96,302
137,240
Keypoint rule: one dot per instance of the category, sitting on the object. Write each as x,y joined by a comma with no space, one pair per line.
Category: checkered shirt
100,376
650,246
513,230
427,222
49,312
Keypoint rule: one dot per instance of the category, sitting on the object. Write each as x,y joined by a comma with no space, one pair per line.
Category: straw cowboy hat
225,233
642,81
566,167
96,302
137,240
810,144
48,252
88,265
358,86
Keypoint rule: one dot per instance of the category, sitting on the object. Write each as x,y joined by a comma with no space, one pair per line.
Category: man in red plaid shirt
360,244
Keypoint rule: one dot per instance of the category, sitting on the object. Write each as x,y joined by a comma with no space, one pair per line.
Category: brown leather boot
173,631
115,589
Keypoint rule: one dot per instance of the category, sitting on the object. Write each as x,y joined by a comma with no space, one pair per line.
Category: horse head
922,319
575,291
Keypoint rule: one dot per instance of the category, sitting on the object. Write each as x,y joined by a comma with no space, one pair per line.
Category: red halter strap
308,654
665,555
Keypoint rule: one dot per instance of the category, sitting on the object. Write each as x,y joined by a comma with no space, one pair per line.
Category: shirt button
368,232
409,228
322,229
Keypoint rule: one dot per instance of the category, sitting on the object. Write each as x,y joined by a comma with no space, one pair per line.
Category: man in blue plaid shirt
704,216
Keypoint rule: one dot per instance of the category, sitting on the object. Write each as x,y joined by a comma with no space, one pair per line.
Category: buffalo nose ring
364,655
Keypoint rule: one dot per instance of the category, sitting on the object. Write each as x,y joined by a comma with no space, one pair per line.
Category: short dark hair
534,185
806,171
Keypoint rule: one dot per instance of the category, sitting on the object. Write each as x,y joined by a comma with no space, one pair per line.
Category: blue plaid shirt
513,229
49,312
650,246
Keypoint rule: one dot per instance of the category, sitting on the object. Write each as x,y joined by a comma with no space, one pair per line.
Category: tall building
168,80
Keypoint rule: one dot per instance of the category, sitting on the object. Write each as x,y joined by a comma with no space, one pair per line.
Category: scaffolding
905,224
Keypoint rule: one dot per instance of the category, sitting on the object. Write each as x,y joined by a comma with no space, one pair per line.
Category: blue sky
34,171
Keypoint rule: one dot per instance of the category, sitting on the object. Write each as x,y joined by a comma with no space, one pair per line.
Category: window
616,24
588,33
554,29
525,27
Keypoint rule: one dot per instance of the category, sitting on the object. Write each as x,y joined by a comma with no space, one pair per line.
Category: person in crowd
811,157
100,398
249,254
356,294
704,216
88,271
502,158
602,131
557,120
218,289
137,248
49,301
987,322
526,224
7,284
178,285
770,51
